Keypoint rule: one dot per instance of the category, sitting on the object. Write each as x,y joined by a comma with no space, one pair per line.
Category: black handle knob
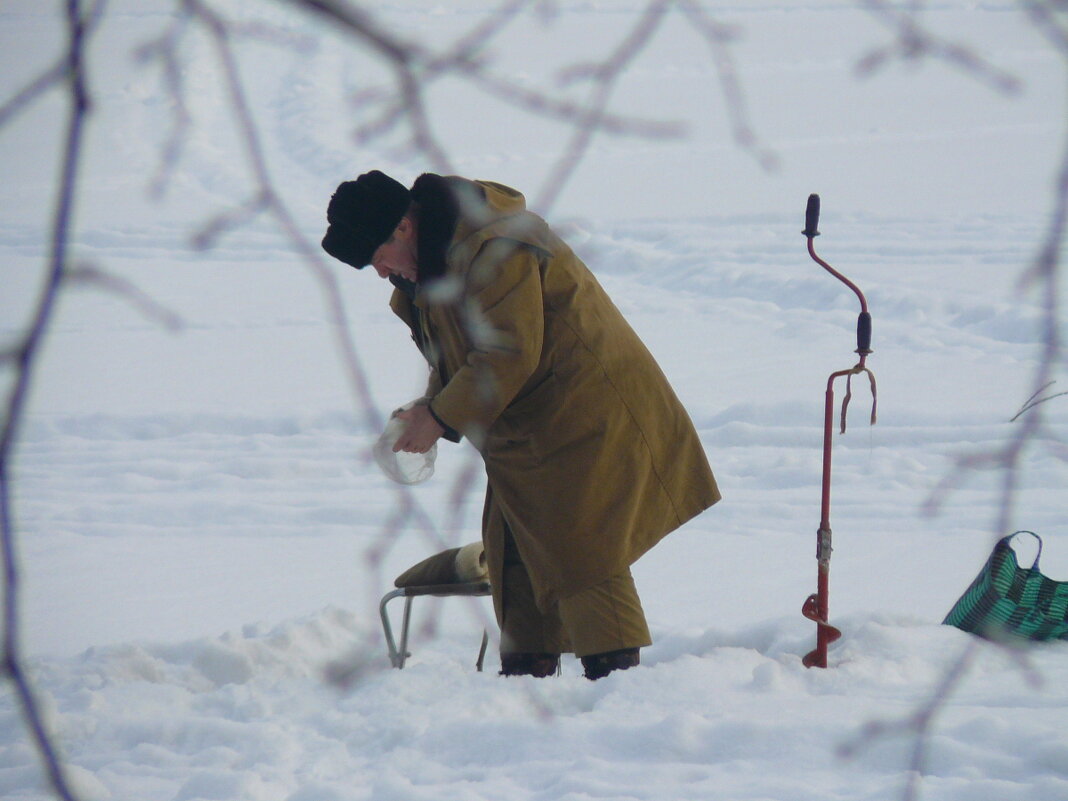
812,216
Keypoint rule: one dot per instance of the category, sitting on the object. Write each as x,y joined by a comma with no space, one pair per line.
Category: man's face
397,255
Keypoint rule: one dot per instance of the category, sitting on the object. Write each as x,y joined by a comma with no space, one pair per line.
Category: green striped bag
1007,601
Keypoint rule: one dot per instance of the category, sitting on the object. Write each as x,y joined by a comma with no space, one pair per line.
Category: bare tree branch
918,725
718,37
54,76
604,76
128,291
1043,14
1043,277
913,42
267,199
165,50
74,76
415,69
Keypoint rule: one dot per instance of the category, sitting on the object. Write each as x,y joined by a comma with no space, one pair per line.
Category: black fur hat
362,215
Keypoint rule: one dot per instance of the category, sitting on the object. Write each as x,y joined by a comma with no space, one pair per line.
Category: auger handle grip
864,333
812,217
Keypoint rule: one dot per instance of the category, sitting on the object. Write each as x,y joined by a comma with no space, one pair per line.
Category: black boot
537,665
597,666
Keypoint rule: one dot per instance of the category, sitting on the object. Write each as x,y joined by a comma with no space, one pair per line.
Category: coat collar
438,199
456,216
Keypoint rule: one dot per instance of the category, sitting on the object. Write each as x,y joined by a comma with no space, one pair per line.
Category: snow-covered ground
204,538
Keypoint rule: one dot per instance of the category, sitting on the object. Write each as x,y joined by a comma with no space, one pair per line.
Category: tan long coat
590,457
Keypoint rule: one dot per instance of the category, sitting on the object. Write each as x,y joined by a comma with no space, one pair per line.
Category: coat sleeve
433,384
502,316
433,387
402,307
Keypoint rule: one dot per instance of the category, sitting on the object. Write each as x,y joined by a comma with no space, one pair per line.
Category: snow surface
204,538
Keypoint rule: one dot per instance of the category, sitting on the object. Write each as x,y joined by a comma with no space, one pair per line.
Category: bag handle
1038,555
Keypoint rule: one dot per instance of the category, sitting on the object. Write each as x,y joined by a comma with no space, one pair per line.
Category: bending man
590,457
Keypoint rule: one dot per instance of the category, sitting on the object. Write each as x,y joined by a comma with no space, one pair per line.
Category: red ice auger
816,605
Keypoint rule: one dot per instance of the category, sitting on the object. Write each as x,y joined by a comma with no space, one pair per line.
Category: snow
204,538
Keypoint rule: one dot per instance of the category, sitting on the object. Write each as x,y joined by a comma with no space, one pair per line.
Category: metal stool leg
398,656
482,651
404,631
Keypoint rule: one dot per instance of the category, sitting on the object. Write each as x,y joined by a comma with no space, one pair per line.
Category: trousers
602,618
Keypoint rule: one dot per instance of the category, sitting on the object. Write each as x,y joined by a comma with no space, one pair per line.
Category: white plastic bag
404,468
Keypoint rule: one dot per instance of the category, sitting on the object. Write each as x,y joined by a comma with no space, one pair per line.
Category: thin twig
164,49
718,36
605,76
914,42
1034,400
24,98
128,291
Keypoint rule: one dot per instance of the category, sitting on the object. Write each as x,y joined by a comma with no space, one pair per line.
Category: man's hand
421,432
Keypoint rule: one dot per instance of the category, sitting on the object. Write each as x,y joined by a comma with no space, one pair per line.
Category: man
590,458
